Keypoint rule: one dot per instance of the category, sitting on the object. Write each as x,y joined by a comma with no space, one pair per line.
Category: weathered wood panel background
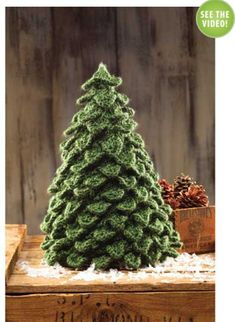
167,67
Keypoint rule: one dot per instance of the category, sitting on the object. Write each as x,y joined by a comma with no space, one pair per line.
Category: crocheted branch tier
106,206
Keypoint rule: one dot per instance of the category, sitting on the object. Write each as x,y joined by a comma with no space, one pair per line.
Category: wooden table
64,299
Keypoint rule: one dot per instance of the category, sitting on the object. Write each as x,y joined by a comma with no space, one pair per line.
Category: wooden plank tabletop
14,236
31,254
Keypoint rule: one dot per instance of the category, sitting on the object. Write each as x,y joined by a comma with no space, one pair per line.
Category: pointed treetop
102,77
102,69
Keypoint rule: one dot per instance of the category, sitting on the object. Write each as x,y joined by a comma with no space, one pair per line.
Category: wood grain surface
167,67
121,307
20,282
35,299
14,239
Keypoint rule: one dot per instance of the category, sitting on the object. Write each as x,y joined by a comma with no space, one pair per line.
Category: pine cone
182,183
167,189
173,202
168,194
194,197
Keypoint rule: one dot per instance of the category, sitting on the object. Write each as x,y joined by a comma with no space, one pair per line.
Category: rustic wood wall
167,67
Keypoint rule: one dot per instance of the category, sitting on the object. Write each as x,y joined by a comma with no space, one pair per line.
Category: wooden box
196,227
163,299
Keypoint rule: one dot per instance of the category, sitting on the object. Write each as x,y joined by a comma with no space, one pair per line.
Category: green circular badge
215,18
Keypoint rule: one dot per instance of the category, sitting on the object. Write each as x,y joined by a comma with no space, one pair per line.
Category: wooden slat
30,159
122,307
14,237
159,54
83,37
21,282
203,114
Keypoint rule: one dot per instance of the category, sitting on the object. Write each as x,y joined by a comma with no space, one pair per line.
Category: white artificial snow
198,268
141,274
91,274
55,271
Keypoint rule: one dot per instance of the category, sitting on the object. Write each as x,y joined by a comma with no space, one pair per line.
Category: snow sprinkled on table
196,267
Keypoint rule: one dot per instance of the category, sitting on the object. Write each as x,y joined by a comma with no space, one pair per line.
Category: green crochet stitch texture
106,206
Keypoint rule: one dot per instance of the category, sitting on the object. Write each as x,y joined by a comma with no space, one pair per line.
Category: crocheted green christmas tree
106,206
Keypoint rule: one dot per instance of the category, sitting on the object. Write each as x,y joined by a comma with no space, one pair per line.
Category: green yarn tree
106,206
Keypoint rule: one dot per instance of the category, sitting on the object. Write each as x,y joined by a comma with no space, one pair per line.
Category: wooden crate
163,299
197,229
